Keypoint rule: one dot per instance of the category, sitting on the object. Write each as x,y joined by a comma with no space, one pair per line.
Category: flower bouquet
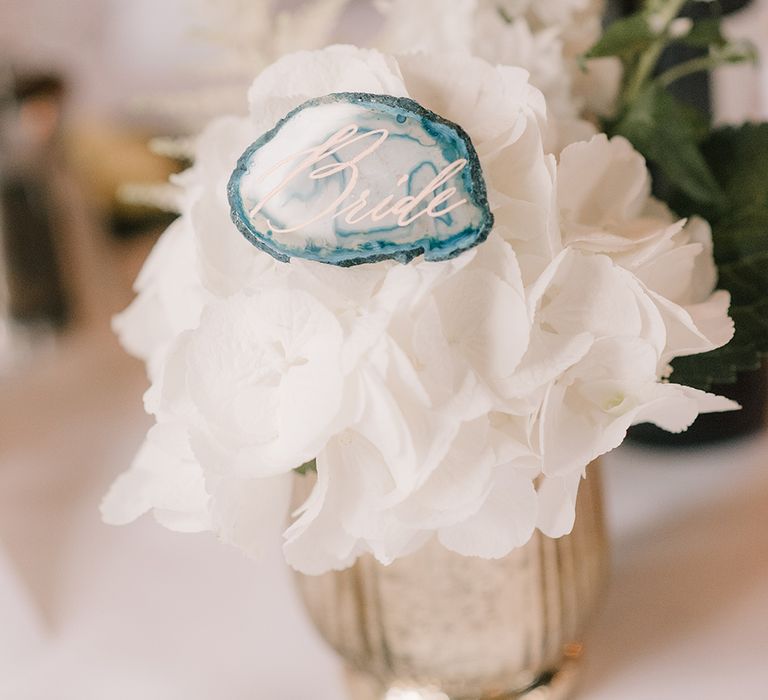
417,292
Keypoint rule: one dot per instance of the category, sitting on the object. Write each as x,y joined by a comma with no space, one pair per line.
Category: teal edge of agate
433,248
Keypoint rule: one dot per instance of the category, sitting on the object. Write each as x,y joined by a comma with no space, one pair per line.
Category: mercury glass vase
439,626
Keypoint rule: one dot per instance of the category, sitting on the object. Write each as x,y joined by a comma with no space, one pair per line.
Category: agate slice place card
352,178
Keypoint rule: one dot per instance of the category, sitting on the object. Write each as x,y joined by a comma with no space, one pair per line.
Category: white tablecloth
92,612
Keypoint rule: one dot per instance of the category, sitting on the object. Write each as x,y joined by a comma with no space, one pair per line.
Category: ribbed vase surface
439,626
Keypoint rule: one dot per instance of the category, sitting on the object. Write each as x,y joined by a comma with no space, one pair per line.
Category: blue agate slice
352,178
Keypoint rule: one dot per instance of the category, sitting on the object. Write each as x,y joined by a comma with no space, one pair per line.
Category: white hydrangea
546,37
253,34
461,400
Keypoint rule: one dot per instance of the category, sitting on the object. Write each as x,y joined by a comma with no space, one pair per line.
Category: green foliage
667,132
307,468
721,175
738,156
705,34
625,38
738,159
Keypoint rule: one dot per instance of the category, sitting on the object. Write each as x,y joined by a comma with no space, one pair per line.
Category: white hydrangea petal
485,320
601,181
168,398
563,131
298,76
569,437
583,436
670,273
588,413
513,439
425,26
547,357
458,486
704,278
364,478
506,520
170,295
164,477
216,150
275,350
396,418
357,501
711,318
317,542
144,327
250,513
673,407
226,260
440,370
557,503
341,288
630,243
487,100
538,286
684,337
497,255
540,52
622,358
592,295
523,183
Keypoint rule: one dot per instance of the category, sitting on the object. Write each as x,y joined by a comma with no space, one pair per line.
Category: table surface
92,612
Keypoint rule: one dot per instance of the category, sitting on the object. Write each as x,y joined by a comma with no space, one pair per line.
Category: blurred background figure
33,298
70,132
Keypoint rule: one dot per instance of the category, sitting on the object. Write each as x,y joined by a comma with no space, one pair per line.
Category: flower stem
695,65
663,17
702,63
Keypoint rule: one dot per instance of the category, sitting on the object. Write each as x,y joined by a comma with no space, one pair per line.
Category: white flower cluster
253,34
461,400
546,37
240,38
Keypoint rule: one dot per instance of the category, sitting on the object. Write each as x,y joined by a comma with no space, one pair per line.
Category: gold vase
439,626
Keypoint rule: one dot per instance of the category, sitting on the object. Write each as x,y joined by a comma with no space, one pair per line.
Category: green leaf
624,38
667,132
307,467
704,33
738,157
747,278
752,320
739,235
